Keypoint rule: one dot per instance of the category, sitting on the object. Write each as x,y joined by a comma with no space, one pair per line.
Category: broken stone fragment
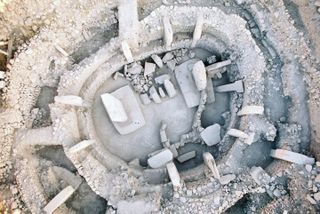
237,133
218,65
197,31
59,199
187,156
174,174
157,60
160,159
211,135
212,59
171,91
248,110
236,86
135,68
80,146
226,179
259,175
168,32
127,51
149,68
160,79
154,95
71,100
211,164
145,99
199,75
291,157
171,64
61,50
167,57
114,108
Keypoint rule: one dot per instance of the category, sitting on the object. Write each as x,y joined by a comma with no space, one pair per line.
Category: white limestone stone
291,157
187,156
154,95
218,65
70,100
149,68
225,179
199,75
80,146
2,84
61,50
211,135
186,83
236,86
247,110
197,31
237,133
127,51
211,164
2,74
157,60
168,32
259,175
114,108
145,99
161,92
171,91
160,79
59,199
160,159
174,174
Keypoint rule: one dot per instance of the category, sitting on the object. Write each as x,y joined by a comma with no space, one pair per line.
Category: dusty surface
59,48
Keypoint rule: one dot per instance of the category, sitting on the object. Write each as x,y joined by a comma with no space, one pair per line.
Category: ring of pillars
73,126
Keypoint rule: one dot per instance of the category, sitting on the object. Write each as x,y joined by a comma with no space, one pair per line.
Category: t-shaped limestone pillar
199,75
168,32
59,199
211,164
71,100
197,31
174,174
114,108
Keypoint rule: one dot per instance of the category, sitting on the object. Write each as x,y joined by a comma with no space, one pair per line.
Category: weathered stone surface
135,117
227,178
67,176
197,31
2,74
160,79
157,60
168,32
210,91
149,68
218,65
145,99
59,199
236,86
237,133
70,100
174,174
114,108
211,135
171,91
2,84
161,92
211,164
199,75
291,156
154,95
259,175
251,110
167,57
134,68
186,83
80,146
160,159
126,51
187,156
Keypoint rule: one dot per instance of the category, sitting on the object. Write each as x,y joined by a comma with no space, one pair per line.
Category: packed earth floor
149,106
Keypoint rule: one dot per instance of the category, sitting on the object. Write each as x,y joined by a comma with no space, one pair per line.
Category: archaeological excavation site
160,106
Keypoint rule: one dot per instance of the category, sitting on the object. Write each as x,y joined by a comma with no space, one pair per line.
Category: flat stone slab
160,79
135,117
211,135
236,86
160,159
59,199
173,174
114,108
199,75
187,156
237,133
247,110
149,68
171,91
80,146
291,156
259,175
187,84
